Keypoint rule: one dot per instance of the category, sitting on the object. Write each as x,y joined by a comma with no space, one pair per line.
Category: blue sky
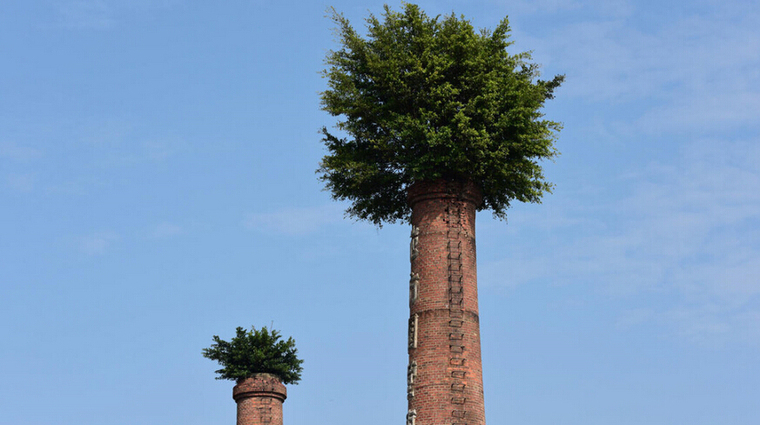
157,186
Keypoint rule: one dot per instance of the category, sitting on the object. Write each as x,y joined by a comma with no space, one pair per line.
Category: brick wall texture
444,376
259,400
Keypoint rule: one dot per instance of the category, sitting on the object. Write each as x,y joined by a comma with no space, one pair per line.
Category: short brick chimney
259,400
445,380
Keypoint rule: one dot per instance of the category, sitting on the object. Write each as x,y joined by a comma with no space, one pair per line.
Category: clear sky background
158,187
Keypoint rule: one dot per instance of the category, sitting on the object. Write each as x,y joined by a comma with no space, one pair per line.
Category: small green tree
430,98
256,351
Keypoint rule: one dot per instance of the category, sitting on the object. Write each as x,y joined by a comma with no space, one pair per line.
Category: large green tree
427,98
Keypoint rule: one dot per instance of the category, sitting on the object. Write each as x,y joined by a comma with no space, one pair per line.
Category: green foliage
430,98
256,351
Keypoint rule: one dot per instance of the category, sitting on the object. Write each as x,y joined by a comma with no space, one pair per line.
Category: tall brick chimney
444,377
259,400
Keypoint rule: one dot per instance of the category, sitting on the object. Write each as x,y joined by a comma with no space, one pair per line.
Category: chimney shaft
259,400
444,377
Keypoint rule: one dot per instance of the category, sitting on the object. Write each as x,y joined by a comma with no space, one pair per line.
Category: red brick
448,385
259,400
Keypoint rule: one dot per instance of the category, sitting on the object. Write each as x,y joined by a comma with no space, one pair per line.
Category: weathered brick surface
445,377
259,400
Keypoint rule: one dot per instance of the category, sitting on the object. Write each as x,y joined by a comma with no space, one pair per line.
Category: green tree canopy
256,351
424,98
